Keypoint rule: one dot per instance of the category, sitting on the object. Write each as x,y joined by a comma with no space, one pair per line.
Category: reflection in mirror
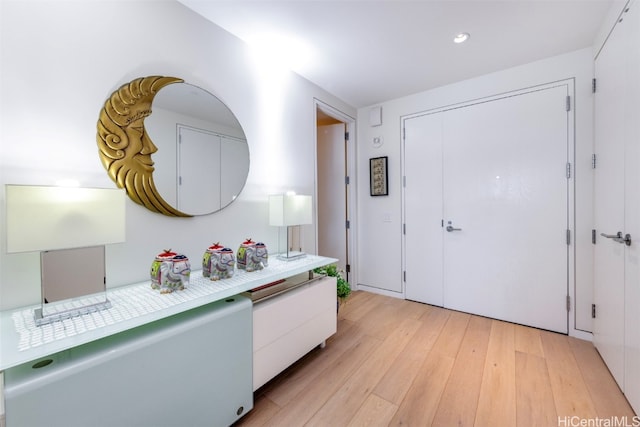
73,283
202,160
142,151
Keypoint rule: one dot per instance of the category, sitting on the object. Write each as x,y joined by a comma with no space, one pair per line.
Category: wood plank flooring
396,362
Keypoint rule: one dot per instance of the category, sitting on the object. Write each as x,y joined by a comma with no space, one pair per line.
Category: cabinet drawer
276,356
278,316
288,326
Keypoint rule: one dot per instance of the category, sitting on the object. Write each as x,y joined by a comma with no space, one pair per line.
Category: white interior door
332,193
497,171
423,215
617,204
505,187
608,327
234,168
197,151
632,208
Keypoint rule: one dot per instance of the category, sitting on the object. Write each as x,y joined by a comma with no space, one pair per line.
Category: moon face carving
125,148
190,157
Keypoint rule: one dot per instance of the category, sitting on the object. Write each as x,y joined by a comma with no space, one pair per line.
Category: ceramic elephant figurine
222,264
259,257
252,256
209,256
170,271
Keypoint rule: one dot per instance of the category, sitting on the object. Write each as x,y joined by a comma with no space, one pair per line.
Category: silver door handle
451,228
612,236
618,237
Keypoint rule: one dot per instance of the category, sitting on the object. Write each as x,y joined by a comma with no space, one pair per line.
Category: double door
486,207
225,158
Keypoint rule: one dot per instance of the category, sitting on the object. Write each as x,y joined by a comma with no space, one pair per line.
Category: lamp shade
286,210
43,218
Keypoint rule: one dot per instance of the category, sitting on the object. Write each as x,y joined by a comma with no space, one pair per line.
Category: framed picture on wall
379,180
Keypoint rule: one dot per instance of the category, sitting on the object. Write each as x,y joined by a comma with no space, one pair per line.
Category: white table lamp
290,210
47,218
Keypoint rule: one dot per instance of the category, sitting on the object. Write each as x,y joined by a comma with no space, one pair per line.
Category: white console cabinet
191,369
154,359
288,325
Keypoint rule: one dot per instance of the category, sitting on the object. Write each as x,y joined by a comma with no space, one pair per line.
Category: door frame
571,181
350,126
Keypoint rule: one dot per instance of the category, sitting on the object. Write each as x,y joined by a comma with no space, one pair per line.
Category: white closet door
505,187
608,327
632,209
233,170
497,171
617,204
198,151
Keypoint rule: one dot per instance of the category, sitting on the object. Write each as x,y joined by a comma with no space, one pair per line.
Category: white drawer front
277,316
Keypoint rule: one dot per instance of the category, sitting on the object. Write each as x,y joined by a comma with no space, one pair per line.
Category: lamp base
291,255
44,319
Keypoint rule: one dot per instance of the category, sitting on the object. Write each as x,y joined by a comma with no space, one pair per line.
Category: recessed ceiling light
461,38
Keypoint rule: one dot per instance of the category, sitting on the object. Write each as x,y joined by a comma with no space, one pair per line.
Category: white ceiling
369,51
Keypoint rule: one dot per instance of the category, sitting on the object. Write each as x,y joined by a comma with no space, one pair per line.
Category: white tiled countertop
21,341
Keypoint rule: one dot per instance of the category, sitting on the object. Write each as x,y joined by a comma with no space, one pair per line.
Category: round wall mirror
175,148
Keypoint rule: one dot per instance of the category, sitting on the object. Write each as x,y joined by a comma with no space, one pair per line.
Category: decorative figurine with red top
218,262
170,271
252,256
209,256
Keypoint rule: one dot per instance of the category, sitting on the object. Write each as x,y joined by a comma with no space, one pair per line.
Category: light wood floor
396,362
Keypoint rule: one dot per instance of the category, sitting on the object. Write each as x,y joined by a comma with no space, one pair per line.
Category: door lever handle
618,237
451,228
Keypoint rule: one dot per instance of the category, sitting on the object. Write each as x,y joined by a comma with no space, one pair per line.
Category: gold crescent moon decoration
125,148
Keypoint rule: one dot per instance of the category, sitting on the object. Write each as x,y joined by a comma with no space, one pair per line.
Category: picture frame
378,176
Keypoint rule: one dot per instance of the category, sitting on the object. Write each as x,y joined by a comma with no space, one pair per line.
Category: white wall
380,218
62,59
